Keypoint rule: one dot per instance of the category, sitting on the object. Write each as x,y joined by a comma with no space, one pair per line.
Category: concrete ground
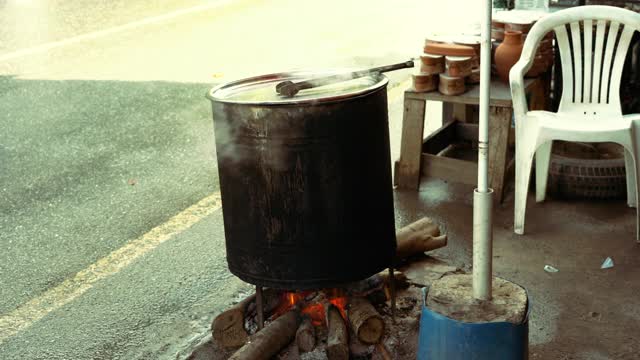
580,312
111,238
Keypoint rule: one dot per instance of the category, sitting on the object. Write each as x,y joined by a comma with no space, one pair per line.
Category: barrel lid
261,90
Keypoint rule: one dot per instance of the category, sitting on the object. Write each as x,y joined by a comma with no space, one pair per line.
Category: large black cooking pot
305,181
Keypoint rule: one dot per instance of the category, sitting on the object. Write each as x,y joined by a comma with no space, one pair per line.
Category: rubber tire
601,179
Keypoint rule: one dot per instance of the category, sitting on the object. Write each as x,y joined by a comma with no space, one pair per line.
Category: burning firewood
399,278
290,352
270,340
228,328
418,237
365,321
384,352
337,337
306,335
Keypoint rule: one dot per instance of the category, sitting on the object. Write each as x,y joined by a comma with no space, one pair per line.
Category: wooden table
420,156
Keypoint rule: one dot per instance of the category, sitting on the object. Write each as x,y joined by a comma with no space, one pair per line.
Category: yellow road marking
37,308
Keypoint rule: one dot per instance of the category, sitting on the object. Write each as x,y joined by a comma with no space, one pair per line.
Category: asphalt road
106,135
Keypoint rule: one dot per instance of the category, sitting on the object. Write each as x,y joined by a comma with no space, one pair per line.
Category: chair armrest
518,94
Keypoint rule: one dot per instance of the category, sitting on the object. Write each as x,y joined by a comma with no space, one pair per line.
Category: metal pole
485,95
482,198
392,291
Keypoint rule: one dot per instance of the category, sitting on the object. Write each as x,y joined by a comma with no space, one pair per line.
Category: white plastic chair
589,109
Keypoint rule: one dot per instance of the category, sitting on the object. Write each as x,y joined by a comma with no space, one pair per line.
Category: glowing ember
315,310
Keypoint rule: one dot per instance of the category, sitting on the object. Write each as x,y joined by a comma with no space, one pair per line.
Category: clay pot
474,78
425,82
451,85
508,53
432,64
459,66
449,49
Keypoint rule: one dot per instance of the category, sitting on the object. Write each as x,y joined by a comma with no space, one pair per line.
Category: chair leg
543,157
637,192
524,160
629,167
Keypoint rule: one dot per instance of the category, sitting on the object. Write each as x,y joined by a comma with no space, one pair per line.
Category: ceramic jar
508,53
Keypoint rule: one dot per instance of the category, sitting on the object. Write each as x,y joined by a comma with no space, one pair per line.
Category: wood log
270,340
365,321
418,237
337,337
399,277
306,335
383,351
291,352
358,349
228,328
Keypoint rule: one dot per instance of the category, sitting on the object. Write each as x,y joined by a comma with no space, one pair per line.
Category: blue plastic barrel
442,338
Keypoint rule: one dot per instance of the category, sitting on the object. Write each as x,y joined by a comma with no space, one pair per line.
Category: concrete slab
581,312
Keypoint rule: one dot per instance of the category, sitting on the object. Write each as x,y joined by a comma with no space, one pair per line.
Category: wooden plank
408,169
449,169
447,150
500,94
440,138
456,111
467,131
470,132
463,112
499,125
447,112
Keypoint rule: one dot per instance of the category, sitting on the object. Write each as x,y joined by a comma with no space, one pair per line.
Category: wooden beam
408,169
440,139
470,132
500,94
499,125
270,340
467,131
449,169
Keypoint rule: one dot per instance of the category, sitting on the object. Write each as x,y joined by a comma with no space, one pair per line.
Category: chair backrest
593,43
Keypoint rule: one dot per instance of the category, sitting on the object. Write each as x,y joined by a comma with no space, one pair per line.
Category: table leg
539,98
408,170
461,112
499,125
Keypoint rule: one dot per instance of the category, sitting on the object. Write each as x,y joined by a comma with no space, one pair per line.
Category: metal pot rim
380,81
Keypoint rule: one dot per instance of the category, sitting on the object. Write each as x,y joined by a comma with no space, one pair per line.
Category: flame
315,310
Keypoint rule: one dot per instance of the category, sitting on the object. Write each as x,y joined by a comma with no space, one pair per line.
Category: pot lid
261,90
